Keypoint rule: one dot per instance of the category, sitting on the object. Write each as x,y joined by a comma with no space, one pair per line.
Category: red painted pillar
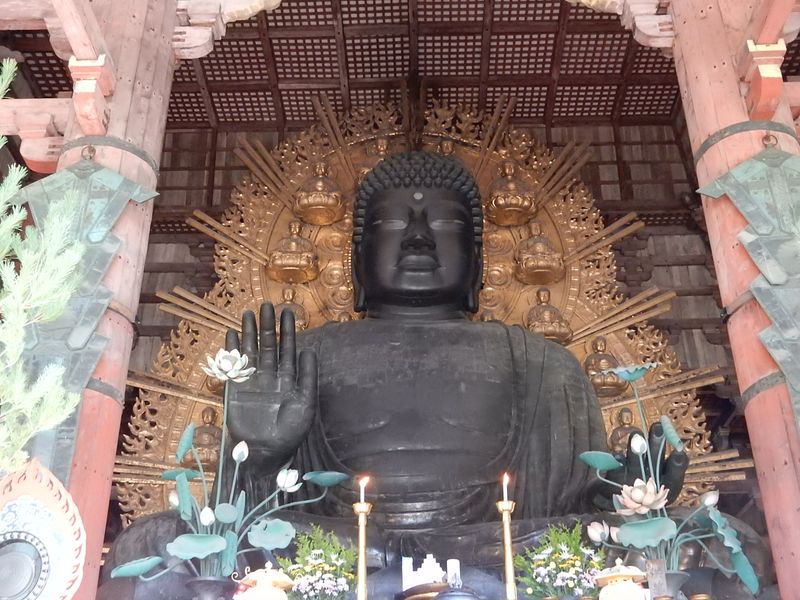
138,35
712,100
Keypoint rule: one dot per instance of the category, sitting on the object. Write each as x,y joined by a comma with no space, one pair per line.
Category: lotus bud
207,517
287,480
240,452
597,532
710,499
613,532
173,499
638,444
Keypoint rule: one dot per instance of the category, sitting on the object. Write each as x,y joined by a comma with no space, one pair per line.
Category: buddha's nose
418,241
418,234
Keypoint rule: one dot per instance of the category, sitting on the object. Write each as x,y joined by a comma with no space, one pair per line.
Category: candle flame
363,481
506,478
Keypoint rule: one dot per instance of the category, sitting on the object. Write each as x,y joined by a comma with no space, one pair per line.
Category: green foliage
323,567
647,533
602,461
37,280
560,565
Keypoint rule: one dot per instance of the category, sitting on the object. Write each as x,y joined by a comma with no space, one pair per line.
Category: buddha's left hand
671,470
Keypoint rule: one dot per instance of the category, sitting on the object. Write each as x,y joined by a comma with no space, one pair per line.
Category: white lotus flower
597,532
240,452
287,480
638,444
227,366
641,497
614,533
710,499
207,516
173,499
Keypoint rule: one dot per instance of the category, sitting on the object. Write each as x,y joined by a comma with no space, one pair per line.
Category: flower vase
212,588
701,580
675,581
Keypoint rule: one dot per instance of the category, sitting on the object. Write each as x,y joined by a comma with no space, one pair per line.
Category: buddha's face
417,248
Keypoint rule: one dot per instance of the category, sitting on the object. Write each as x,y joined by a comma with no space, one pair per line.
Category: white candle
506,479
363,484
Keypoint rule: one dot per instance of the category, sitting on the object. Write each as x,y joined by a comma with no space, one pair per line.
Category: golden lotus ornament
319,201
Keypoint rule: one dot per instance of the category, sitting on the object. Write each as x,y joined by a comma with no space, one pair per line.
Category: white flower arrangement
322,568
559,566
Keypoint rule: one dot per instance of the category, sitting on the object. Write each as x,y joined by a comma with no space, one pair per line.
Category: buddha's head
543,295
209,415
625,417
599,344
417,234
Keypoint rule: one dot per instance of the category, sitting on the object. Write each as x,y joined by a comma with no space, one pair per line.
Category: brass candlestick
362,510
506,507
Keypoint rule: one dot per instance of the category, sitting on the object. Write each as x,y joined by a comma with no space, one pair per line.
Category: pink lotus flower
641,497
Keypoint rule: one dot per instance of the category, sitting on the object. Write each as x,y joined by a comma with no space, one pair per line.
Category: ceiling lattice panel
378,57
587,53
521,53
358,12
563,63
236,60
514,10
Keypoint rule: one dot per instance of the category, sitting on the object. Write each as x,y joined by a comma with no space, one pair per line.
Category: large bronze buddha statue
433,406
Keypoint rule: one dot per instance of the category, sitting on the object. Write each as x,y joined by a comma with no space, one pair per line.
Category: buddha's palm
273,410
671,470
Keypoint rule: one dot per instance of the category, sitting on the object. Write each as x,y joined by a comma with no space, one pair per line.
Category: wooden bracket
203,13
91,109
41,154
100,70
761,69
40,123
192,42
650,23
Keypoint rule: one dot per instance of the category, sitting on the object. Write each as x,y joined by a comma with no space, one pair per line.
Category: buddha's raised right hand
273,410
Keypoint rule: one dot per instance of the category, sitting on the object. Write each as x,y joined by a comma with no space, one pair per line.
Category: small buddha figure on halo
536,261
596,365
289,301
618,440
295,259
546,320
207,439
319,201
511,201
446,147
379,148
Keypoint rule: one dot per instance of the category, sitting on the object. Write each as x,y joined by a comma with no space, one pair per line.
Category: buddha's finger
286,356
307,375
674,473
231,340
249,336
658,449
268,349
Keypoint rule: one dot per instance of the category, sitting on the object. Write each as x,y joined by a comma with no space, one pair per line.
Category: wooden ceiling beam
341,53
265,34
555,68
202,84
486,44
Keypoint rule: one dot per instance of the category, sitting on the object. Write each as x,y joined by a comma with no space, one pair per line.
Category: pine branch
38,274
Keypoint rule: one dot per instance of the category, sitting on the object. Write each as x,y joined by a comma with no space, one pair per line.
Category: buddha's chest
416,393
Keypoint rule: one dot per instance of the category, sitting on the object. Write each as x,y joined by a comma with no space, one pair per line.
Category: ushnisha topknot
419,169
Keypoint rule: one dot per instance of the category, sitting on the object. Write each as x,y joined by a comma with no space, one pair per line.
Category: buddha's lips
418,262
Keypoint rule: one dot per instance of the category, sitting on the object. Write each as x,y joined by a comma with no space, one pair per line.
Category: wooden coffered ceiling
564,64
